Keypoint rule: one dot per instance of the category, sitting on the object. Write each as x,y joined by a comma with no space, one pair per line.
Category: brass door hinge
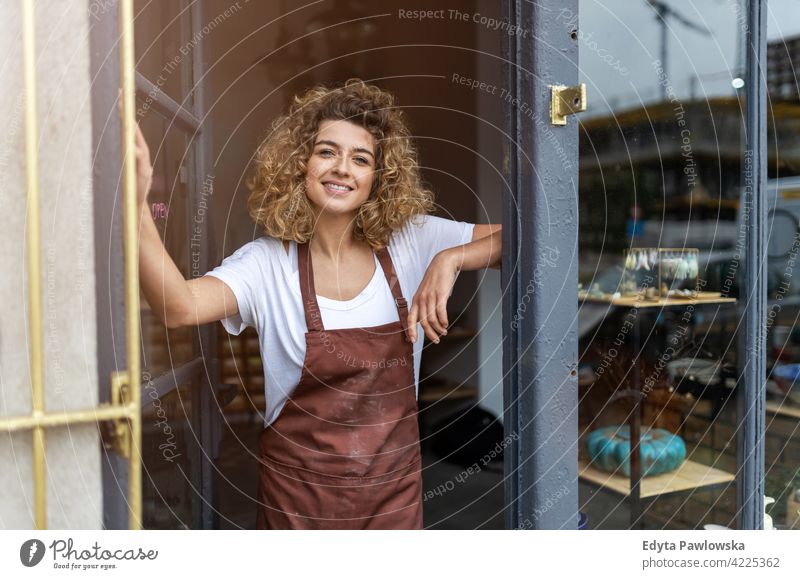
566,100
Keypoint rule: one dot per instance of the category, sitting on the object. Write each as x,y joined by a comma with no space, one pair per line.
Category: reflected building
678,161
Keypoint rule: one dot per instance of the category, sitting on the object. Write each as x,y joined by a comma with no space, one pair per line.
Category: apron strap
309,294
307,291
394,285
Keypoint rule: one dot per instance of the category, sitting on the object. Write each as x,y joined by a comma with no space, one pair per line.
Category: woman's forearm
162,283
479,254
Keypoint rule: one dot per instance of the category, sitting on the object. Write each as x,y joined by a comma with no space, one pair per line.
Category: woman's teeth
337,188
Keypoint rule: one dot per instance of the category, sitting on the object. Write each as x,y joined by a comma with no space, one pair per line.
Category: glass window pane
660,152
163,50
167,491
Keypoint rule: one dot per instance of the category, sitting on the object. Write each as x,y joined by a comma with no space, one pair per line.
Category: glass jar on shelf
678,272
653,272
640,275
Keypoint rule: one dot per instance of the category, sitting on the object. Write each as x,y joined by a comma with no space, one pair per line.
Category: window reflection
660,166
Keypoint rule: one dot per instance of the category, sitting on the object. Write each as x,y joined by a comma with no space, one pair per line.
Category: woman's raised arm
174,300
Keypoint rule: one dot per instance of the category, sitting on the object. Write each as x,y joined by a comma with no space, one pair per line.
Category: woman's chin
335,208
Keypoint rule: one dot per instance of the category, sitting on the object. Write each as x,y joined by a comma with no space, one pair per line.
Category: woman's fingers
144,167
430,302
441,311
433,317
427,317
418,313
419,306
141,143
426,326
412,323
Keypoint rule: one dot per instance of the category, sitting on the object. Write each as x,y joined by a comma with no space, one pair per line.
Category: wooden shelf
783,409
641,302
690,475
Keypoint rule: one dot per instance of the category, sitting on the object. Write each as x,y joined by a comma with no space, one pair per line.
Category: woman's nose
342,166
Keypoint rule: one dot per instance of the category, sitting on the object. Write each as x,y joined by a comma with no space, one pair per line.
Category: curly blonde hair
278,201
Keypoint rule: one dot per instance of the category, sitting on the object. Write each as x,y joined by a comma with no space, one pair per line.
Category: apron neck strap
309,293
394,285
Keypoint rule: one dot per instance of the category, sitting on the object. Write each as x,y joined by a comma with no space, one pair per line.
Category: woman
338,194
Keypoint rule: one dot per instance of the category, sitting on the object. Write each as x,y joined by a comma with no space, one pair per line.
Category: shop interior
260,56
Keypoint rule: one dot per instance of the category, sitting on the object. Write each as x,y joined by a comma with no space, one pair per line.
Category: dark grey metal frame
751,400
109,258
540,354
206,411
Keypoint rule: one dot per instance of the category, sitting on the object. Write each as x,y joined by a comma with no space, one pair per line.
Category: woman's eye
361,160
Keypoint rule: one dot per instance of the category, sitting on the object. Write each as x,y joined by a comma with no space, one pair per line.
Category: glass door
180,415
670,204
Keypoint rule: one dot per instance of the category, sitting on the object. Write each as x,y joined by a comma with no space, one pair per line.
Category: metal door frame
104,43
751,399
539,216
540,242
203,370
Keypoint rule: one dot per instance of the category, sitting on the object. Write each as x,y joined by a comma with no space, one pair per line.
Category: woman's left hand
429,306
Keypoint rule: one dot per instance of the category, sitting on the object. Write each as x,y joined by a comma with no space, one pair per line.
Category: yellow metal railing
124,412
131,234
36,330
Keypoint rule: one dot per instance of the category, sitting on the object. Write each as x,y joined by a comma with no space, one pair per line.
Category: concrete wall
74,491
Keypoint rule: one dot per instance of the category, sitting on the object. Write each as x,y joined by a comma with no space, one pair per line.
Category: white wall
74,489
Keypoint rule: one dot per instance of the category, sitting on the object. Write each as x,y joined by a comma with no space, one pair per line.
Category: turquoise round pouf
610,446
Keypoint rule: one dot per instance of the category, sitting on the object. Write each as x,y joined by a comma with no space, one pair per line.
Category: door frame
108,233
540,269
752,355
540,217
203,370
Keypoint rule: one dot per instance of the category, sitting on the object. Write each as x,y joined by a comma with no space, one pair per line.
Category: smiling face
341,168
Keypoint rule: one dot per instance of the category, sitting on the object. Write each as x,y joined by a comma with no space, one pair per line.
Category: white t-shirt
265,281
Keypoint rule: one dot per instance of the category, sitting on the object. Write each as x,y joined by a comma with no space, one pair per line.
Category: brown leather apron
344,451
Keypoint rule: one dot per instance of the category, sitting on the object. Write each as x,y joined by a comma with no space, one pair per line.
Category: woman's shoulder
260,250
413,226
423,228
409,244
